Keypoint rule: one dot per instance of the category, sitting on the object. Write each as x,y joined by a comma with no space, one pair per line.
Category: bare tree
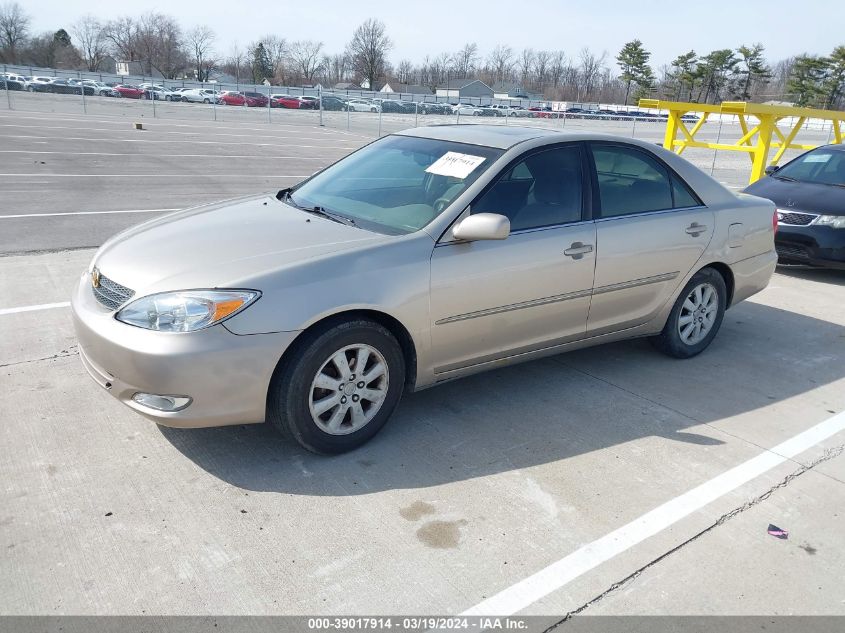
591,68
337,68
91,41
501,62
465,60
234,64
278,53
542,63
368,50
122,34
14,27
199,41
404,71
159,44
526,64
306,58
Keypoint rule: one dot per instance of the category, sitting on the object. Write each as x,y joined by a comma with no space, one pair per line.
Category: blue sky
433,26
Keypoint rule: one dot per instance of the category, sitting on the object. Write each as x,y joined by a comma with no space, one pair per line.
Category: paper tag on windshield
455,164
817,158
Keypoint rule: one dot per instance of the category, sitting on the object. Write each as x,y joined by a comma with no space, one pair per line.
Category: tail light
775,221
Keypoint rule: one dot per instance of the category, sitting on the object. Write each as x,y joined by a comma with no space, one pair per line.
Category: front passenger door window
544,189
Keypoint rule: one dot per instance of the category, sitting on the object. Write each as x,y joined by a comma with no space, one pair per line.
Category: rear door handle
578,250
695,229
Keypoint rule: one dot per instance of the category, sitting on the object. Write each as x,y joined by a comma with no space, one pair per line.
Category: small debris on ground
777,532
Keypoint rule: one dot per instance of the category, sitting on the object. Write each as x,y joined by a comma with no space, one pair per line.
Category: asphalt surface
471,494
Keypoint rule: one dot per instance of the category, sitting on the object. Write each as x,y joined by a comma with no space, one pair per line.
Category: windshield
397,184
823,166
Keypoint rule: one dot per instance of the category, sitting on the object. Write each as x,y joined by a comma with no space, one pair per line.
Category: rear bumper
226,375
752,275
811,245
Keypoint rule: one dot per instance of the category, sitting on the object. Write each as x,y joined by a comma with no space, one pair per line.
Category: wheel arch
727,275
391,323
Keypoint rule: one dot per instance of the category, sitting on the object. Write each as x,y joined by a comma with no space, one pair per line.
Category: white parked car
100,88
361,105
18,78
199,95
464,109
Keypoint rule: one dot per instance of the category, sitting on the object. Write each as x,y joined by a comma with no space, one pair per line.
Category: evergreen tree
805,84
833,87
261,67
683,72
754,69
633,60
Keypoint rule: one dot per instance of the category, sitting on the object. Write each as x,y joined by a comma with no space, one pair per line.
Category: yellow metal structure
756,141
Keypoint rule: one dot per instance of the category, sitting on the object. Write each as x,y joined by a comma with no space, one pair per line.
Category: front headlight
186,310
836,221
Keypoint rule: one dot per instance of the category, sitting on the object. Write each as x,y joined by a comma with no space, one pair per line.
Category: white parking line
531,589
214,156
170,132
194,176
43,306
45,215
183,142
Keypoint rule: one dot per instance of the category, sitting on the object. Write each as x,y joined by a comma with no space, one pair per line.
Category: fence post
417,114
320,102
348,110
269,105
379,121
715,151
82,90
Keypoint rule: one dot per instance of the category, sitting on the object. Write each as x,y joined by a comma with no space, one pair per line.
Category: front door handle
695,229
578,250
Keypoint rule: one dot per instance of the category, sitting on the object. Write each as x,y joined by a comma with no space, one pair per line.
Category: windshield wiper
787,178
317,210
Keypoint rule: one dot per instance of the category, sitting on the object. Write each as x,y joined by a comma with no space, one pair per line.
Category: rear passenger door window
630,181
543,189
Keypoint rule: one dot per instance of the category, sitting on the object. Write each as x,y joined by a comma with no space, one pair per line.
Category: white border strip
548,580
43,306
47,215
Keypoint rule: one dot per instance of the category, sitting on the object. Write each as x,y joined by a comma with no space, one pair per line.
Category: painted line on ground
220,125
43,306
562,572
193,176
45,215
158,156
197,133
183,142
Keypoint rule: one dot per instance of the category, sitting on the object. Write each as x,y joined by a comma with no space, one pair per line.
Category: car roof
498,136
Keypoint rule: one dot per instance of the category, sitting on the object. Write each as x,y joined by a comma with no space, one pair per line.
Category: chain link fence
368,114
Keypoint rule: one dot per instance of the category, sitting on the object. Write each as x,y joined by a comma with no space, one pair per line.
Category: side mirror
770,169
483,226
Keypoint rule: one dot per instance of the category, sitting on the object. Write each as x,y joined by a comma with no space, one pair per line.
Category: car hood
222,244
801,196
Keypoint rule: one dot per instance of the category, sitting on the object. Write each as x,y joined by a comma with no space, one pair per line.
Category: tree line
160,45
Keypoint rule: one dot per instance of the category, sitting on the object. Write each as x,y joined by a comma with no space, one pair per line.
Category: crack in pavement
70,351
828,454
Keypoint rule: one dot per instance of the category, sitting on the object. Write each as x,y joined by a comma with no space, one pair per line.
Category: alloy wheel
698,313
349,389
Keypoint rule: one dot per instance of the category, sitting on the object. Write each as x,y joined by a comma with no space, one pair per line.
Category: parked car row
245,98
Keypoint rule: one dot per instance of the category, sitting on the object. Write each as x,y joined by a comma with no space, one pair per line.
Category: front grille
787,251
111,294
794,218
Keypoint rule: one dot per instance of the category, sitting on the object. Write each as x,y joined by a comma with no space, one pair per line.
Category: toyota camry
425,256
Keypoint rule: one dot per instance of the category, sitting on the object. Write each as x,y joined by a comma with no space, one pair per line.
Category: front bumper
226,375
812,245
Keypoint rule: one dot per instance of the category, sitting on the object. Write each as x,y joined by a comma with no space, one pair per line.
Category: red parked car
232,97
130,92
285,101
542,113
255,99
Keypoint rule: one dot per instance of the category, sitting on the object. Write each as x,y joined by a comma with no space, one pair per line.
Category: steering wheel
440,204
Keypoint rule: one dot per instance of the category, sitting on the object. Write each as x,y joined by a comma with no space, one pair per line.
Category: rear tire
696,317
331,409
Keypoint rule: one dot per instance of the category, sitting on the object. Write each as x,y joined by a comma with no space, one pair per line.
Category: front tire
339,386
696,316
